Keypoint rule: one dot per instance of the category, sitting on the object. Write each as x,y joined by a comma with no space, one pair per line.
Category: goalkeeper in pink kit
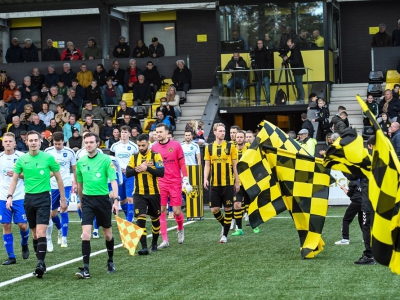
171,184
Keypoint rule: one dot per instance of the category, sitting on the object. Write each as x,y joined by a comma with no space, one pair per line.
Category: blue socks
124,208
129,216
56,221
64,223
24,236
9,244
95,226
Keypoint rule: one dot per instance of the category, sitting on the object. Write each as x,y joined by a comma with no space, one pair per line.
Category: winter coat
30,54
152,76
125,50
14,54
231,65
144,51
51,54
182,76
94,51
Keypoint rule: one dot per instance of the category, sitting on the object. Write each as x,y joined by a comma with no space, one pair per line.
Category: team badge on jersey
98,175
65,154
129,148
170,149
136,211
41,172
150,163
226,151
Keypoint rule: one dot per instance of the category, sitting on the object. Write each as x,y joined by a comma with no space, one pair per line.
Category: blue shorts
55,197
126,189
18,211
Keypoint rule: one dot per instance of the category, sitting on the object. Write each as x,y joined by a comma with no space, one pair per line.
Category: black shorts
147,205
98,206
222,196
37,208
242,196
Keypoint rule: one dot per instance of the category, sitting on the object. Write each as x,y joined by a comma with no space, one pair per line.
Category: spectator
73,103
117,75
50,53
4,82
27,116
4,110
134,135
307,124
169,113
346,121
236,37
36,124
318,39
182,77
27,88
51,79
141,50
390,106
396,35
122,49
92,50
17,127
8,94
322,117
328,142
62,116
84,76
3,122
21,142
30,52
70,126
156,49
395,92
385,123
124,110
395,137
90,125
54,127
289,34
36,102
161,119
93,93
67,75
312,101
106,131
152,77
46,115
80,91
303,40
62,89
306,142
268,42
131,122
381,38
100,75
53,99
44,92
16,107
172,99
14,53
111,94
99,116
339,124
373,107
238,79
116,136
131,75
296,61
75,141
141,92
47,139
37,79
71,53
262,61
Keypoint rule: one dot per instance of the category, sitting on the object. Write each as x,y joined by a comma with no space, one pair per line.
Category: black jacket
17,131
182,76
25,94
30,54
309,126
152,76
51,54
231,65
106,131
118,76
393,107
125,50
133,123
39,127
37,81
263,60
58,128
93,94
381,39
67,77
159,51
75,142
14,54
144,51
323,117
141,91
37,106
396,37
100,77
354,191
129,111
296,61
74,105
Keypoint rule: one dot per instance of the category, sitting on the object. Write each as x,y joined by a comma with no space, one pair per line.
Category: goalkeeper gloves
186,187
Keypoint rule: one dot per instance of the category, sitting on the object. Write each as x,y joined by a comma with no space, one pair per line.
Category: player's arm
131,168
235,174
158,171
186,186
207,166
60,184
74,177
115,198
198,159
11,190
119,171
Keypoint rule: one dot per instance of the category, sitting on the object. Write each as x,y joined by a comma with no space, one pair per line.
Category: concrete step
336,93
197,98
349,85
198,91
194,104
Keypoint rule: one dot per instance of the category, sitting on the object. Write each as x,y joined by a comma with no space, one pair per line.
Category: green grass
267,265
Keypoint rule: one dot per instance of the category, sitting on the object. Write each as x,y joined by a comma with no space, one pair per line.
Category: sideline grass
267,265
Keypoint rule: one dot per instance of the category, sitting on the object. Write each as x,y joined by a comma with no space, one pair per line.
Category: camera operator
262,61
296,61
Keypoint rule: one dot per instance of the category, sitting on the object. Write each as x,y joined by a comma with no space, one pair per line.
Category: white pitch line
29,275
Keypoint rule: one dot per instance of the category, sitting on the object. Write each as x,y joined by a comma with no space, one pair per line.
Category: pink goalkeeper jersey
171,153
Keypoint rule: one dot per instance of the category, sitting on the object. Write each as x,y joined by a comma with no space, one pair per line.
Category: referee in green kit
36,167
93,172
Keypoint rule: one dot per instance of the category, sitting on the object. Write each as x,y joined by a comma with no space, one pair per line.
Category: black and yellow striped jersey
240,152
146,183
221,157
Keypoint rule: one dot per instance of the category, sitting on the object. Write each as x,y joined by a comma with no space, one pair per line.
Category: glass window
165,32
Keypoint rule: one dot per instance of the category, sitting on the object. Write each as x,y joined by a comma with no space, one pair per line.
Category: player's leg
170,211
154,212
20,219
215,204
141,210
175,192
55,220
65,219
348,217
228,196
103,216
163,217
129,187
238,212
124,201
8,238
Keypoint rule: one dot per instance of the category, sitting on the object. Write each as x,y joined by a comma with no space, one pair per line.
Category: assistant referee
93,172
37,167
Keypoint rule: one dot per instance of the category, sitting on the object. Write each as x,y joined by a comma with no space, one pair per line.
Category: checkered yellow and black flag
384,194
130,234
348,154
278,174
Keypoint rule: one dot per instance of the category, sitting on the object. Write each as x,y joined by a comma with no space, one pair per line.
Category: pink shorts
174,192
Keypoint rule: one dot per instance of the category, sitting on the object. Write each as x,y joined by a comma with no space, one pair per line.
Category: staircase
193,109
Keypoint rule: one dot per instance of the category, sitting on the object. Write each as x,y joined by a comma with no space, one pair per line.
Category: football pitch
267,265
